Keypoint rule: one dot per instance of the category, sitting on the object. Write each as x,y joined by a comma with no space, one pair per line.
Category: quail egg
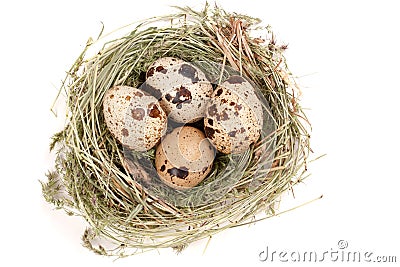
184,157
162,64
133,117
183,91
233,116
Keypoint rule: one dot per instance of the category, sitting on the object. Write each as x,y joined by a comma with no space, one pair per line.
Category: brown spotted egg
184,157
233,118
162,64
182,89
134,117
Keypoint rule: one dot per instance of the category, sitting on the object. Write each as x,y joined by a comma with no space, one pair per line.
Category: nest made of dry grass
90,177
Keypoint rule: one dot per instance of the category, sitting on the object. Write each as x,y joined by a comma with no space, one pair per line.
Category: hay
93,178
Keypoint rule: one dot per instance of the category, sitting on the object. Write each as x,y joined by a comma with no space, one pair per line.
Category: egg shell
162,64
133,117
183,91
234,116
184,157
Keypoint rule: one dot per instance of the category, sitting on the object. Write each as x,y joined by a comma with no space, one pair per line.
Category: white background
346,54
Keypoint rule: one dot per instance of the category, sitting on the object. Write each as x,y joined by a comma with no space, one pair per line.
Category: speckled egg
134,117
162,64
183,91
184,157
234,116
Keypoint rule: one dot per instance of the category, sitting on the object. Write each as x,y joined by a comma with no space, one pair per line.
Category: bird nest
97,178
